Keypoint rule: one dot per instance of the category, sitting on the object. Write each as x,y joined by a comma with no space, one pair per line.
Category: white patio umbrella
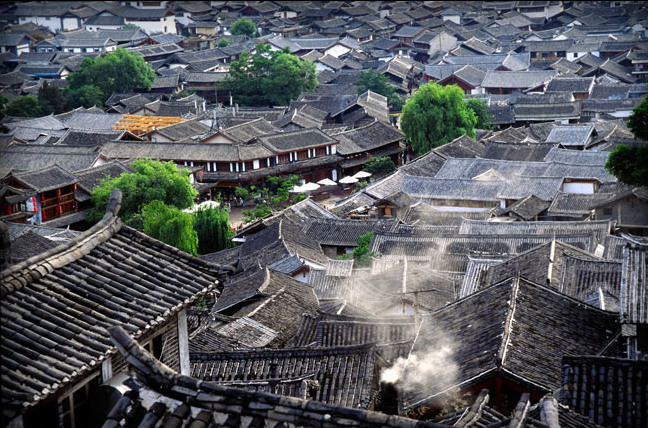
349,180
298,189
362,174
327,182
310,186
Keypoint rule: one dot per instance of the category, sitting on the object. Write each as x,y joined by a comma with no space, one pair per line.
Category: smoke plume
430,367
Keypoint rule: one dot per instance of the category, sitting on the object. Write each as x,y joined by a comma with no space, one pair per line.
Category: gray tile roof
574,135
30,157
493,340
51,297
517,79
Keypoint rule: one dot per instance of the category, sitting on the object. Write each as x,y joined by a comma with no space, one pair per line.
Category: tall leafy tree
151,181
270,78
629,165
170,225
116,71
85,96
243,27
484,118
379,83
435,115
23,106
213,229
638,120
51,99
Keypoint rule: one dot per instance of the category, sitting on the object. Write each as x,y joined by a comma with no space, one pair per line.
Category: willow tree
171,226
151,181
213,229
435,115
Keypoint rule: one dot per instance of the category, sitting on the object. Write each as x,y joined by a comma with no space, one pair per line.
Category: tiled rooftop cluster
506,284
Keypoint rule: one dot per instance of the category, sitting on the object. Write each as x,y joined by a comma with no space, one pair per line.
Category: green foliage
51,99
379,83
361,185
85,96
274,197
243,27
638,120
223,42
23,106
435,115
629,165
484,118
151,181
270,78
361,253
170,225
118,71
379,166
213,229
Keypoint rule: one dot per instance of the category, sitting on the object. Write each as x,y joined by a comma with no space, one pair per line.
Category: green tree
243,27
484,118
85,96
629,165
116,71
151,181
435,115
379,166
213,229
361,255
23,106
270,78
273,197
170,225
379,83
638,120
51,99
223,42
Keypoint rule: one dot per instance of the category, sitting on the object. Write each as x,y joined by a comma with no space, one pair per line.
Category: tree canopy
484,118
638,120
435,115
120,71
243,27
379,166
51,99
151,181
23,106
270,78
629,165
379,83
170,225
213,229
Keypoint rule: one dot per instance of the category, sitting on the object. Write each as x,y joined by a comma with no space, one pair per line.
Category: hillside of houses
496,280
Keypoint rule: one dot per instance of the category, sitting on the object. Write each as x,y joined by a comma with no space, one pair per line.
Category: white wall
71,24
579,188
151,27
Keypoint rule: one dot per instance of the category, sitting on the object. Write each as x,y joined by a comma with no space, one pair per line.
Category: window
155,346
546,54
76,409
607,211
255,164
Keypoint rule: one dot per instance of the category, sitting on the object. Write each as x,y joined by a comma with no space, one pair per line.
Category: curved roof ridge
17,276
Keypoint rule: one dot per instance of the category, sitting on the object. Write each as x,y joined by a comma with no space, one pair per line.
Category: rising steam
430,367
